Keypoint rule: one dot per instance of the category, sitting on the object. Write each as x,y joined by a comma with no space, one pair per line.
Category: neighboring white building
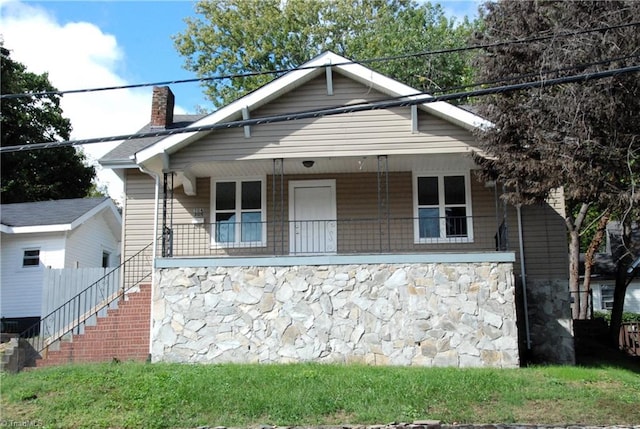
603,295
73,233
604,271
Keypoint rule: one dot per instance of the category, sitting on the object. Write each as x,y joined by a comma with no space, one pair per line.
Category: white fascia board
35,229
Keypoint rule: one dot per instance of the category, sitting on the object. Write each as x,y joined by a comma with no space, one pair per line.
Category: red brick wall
123,335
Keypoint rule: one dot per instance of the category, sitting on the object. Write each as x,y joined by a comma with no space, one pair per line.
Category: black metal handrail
71,315
337,236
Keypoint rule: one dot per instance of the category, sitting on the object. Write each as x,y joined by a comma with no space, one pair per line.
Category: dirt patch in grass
339,418
564,412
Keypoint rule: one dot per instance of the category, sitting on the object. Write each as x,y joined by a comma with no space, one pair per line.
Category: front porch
352,206
398,260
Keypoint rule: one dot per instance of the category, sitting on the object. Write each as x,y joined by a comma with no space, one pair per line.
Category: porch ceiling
364,164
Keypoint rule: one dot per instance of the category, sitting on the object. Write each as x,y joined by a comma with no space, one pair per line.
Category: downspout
156,177
523,275
154,253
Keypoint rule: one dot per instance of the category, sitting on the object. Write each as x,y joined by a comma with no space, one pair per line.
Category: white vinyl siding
20,286
88,241
602,296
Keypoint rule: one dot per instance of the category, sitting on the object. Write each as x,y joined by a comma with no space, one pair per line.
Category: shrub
627,316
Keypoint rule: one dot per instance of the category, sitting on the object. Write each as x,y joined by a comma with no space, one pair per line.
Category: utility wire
423,98
366,61
540,74
532,74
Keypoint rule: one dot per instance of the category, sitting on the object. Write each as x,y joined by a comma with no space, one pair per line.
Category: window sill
451,240
230,246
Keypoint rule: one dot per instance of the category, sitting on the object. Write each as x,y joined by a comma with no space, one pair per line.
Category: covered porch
383,260
358,205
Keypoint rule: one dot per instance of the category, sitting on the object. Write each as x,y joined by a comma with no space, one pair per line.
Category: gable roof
52,216
293,79
605,265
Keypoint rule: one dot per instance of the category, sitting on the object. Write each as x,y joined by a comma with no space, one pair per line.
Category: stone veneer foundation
550,323
431,314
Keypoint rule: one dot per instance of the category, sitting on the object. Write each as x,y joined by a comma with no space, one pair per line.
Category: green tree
238,36
36,175
582,137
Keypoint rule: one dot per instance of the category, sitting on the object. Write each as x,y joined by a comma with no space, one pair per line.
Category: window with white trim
239,212
442,207
31,258
606,297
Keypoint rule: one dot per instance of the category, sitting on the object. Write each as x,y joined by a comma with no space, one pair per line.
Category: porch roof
453,162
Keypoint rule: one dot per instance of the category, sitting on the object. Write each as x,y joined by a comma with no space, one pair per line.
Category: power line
421,99
531,74
366,61
539,74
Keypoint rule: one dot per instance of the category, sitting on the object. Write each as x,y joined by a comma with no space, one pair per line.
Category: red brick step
123,335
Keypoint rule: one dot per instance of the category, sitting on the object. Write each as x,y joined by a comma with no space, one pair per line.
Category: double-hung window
31,258
606,297
442,208
239,213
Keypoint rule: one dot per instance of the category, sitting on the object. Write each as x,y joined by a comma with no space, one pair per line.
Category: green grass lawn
186,396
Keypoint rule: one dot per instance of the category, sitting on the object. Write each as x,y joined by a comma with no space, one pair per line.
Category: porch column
383,204
502,234
167,229
277,201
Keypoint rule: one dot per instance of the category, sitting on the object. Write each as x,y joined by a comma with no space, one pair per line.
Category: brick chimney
162,103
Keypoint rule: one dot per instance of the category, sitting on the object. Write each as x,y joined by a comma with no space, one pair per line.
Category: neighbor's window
31,258
239,212
442,208
106,256
606,297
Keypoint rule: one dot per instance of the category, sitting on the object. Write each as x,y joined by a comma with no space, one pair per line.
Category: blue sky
143,30
88,44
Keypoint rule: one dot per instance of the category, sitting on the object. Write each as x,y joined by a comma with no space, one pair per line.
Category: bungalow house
71,233
328,216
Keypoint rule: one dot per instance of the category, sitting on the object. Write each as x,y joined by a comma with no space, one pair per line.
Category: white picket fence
75,293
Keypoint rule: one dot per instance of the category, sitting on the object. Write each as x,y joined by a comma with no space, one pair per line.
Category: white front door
312,215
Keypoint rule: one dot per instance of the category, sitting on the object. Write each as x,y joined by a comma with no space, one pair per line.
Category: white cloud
78,55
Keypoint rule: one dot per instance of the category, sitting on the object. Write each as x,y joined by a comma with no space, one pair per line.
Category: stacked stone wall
550,322
386,314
